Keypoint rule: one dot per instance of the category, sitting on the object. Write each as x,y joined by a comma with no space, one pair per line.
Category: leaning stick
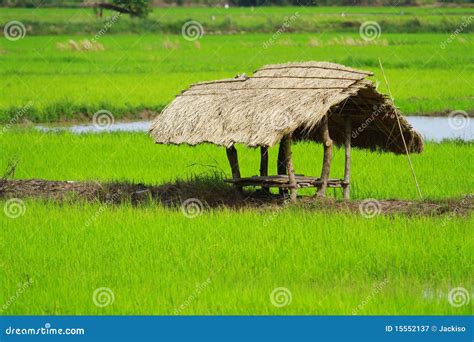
401,132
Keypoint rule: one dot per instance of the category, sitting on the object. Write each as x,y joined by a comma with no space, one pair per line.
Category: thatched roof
280,99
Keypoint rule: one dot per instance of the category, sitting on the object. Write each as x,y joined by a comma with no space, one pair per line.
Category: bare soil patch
215,194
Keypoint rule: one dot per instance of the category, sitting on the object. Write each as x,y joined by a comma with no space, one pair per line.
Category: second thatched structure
320,101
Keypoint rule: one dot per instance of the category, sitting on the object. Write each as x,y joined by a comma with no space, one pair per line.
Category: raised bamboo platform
283,182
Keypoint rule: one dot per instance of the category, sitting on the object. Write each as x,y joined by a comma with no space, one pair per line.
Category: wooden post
327,157
286,142
281,163
264,165
347,160
234,164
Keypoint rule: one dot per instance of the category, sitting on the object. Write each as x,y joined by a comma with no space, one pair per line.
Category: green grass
442,169
137,73
261,19
154,260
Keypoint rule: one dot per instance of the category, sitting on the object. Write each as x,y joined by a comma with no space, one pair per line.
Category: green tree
136,8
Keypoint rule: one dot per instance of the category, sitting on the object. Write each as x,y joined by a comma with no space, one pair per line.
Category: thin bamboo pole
264,165
347,159
286,141
281,163
327,156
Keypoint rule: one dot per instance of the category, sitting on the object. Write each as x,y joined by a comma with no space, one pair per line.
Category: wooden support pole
286,142
327,142
234,164
347,160
281,163
264,165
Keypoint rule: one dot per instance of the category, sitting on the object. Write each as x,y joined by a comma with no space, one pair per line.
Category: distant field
259,19
135,73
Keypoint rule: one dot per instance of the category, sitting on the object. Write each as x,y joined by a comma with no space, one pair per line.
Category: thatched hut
320,101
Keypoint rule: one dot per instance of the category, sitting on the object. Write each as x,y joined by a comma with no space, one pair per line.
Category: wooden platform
282,181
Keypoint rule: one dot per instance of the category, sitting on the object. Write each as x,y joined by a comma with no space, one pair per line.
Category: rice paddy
154,259
137,78
441,168
157,261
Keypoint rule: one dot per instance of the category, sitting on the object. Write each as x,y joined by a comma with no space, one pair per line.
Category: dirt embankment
217,194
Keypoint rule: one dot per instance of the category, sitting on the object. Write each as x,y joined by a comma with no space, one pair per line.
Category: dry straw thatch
281,99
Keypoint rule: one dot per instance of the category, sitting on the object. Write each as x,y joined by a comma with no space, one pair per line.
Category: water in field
432,128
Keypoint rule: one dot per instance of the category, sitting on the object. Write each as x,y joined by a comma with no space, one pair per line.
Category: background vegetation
77,3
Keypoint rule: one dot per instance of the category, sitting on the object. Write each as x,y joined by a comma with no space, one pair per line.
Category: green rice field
56,256
441,168
154,259
137,75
